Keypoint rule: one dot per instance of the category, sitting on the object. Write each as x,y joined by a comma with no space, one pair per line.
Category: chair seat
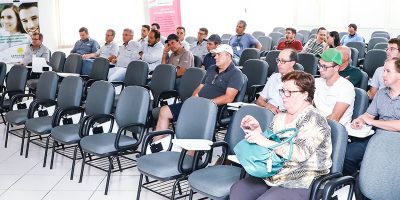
222,176
17,117
163,165
32,83
103,144
40,125
66,134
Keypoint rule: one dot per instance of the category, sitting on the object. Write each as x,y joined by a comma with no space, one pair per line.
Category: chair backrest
73,64
270,58
361,102
266,43
163,79
197,119
197,61
374,59
132,106
258,34
100,68
341,34
339,144
309,62
235,133
298,67
47,86
249,53
57,61
100,98
364,81
70,92
381,34
3,71
277,29
300,37
373,33
136,73
242,92
379,173
311,36
16,78
191,79
256,71
275,36
306,35
354,57
313,31
226,36
190,39
224,41
360,46
375,40
381,46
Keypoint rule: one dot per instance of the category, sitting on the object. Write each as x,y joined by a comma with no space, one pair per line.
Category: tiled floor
25,178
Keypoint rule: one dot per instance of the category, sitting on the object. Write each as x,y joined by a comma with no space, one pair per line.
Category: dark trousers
251,188
354,155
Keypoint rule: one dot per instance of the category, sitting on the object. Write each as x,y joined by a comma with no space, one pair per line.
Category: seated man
221,84
180,57
352,36
290,41
86,44
392,51
181,33
144,32
213,41
334,95
317,45
353,74
128,52
110,48
382,113
200,47
35,49
269,96
152,52
242,41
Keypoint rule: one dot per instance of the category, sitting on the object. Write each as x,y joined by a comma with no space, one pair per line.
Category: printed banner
17,22
167,13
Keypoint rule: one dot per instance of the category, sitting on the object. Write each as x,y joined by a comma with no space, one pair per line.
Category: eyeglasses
324,67
287,93
391,49
282,61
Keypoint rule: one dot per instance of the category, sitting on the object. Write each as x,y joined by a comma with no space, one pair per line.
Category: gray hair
128,30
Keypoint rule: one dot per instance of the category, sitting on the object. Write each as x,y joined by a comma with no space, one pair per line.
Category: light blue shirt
199,50
128,53
85,46
241,42
347,38
152,55
107,50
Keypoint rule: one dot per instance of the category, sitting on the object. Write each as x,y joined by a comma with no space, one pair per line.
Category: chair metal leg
27,144
23,141
110,160
73,162
7,129
46,150
139,187
82,167
119,164
53,150
191,194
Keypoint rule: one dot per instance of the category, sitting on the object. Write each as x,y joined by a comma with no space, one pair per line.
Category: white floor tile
36,182
6,181
68,195
121,183
23,194
90,183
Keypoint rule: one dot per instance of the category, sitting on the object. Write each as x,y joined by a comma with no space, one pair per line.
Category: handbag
263,162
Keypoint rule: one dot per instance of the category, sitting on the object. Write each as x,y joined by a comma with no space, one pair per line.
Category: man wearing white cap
221,84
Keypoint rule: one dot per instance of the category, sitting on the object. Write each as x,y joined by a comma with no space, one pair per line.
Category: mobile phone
245,128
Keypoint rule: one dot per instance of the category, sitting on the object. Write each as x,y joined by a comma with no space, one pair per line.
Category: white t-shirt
325,97
271,91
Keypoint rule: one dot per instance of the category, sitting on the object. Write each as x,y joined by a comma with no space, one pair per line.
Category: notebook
39,65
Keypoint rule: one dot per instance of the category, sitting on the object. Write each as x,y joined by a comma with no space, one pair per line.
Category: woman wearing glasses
312,148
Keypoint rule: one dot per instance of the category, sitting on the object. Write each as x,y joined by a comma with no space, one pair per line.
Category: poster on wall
18,20
167,13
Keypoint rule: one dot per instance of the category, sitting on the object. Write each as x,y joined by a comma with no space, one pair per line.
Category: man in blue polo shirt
221,84
352,36
86,44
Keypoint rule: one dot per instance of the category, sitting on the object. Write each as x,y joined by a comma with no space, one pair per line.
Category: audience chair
360,46
381,46
364,81
309,62
275,36
3,73
197,61
383,34
191,40
300,38
379,171
313,31
375,40
249,53
226,36
256,71
196,121
361,102
266,43
73,64
375,58
277,29
306,35
45,93
258,34
342,34
99,101
270,58
354,57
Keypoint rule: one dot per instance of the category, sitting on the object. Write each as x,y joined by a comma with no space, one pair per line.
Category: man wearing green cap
334,95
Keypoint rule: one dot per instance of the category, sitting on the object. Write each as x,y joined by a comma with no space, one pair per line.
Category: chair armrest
166,95
193,144
38,102
2,88
317,183
84,77
141,127
118,83
18,97
254,89
59,112
148,138
333,184
10,93
92,119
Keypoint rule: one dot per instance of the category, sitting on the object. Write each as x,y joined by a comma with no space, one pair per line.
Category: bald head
346,53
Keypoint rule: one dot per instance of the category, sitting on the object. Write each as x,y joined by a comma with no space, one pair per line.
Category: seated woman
312,148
